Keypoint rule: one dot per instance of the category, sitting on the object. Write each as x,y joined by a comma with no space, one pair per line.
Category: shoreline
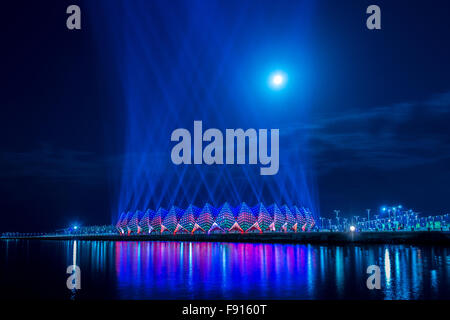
381,237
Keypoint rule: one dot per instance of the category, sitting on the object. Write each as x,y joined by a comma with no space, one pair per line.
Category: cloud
52,163
387,137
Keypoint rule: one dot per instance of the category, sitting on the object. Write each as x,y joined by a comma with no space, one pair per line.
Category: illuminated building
226,219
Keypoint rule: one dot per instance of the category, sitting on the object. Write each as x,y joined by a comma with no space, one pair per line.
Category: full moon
277,80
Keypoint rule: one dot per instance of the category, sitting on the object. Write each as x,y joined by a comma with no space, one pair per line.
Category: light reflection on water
200,270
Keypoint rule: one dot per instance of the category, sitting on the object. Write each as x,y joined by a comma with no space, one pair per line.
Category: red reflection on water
209,270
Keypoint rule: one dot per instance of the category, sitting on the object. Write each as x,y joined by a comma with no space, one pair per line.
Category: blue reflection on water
273,271
191,270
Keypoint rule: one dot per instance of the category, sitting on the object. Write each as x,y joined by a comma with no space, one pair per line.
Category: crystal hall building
226,219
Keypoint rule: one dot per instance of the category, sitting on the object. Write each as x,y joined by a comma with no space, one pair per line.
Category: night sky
365,113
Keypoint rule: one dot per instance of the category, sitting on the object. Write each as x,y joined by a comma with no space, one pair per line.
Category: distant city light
352,228
75,227
383,209
277,80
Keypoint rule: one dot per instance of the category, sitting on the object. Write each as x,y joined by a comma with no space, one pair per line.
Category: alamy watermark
74,280
373,22
215,152
73,22
374,280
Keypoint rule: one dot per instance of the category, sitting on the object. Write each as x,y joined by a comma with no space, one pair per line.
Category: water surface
201,270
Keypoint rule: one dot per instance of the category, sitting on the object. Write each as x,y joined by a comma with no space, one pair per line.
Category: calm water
177,270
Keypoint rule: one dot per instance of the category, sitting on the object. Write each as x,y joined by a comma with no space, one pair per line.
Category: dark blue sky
87,115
